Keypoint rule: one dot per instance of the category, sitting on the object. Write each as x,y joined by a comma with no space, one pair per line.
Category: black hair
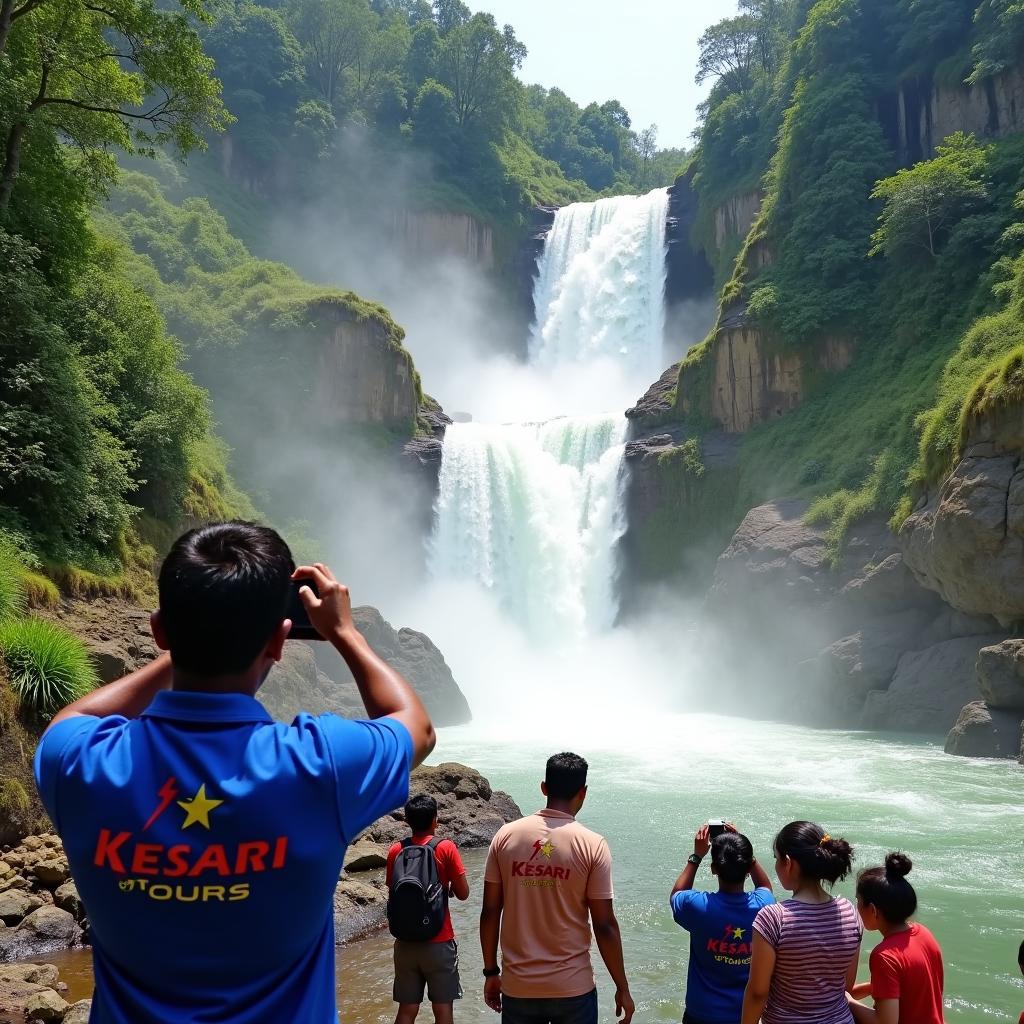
1020,956
565,776
887,889
420,812
732,856
818,855
224,589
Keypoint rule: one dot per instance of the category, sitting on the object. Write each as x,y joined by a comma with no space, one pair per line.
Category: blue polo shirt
721,935
206,841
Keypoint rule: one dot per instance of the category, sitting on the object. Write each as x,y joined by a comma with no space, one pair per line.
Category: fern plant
48,667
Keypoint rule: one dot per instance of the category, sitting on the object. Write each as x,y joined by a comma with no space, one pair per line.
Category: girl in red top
906,966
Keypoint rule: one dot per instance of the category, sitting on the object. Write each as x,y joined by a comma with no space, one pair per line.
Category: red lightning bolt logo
536,848
167,792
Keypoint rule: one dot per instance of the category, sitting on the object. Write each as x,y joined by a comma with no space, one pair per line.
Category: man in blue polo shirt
720,925
206,840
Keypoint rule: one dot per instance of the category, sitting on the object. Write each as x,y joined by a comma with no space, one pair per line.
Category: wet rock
982,731
1001,675
360,907
45,1005
44,931
929,688
365,855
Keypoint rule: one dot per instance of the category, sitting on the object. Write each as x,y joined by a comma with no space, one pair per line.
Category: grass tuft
12,590
40,591
49,668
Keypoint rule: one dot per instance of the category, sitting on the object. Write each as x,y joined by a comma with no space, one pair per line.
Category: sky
640,52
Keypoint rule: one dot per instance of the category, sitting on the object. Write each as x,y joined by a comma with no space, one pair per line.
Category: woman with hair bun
906,966
805,954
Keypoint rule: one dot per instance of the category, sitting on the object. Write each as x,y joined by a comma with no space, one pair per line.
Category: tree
478,63
922,202
125,74
334,34
727,51
1000,35
647,148
450,14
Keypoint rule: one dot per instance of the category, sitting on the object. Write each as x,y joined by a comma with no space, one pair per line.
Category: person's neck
888,929
730,887
417,836
243,682
811,892
562,806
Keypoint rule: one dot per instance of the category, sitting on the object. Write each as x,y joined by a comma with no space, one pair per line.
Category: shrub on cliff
12,592
48,666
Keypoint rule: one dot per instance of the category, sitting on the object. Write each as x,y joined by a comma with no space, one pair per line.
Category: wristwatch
492,972
694,859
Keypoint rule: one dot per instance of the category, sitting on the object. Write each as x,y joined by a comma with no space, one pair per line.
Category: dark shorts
434,965
688,1018
575,1010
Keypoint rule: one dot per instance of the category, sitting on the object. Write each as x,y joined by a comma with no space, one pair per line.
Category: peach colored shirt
548,866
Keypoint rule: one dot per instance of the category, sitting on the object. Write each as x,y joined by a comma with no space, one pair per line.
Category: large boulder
982,731
1001,675
44,931
26,987
469,812
313,677
929,688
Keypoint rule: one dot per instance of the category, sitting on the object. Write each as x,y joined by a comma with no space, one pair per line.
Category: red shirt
449,867
908,966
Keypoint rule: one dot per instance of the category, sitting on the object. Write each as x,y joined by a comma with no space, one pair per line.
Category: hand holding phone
324,607
715,828
302,628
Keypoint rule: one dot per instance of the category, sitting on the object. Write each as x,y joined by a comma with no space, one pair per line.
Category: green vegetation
12,587
48,666
919,268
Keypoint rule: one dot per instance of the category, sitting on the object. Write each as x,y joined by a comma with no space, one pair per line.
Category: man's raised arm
385,692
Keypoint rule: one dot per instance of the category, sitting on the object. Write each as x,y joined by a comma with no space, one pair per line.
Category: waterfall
601,283
532,512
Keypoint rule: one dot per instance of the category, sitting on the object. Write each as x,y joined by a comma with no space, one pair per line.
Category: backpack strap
406,843
434,843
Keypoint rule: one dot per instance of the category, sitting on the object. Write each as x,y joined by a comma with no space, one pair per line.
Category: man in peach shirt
547,879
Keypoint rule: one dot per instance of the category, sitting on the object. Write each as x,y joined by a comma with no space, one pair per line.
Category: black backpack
417,902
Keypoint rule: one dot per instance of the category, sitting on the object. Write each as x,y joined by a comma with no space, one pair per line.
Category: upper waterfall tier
601,285
531,512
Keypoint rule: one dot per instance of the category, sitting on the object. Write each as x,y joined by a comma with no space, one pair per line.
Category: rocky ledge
41,912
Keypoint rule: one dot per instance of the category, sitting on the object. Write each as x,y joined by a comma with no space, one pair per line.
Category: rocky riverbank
34,992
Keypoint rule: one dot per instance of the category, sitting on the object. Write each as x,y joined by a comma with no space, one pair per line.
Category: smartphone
302,628
715,828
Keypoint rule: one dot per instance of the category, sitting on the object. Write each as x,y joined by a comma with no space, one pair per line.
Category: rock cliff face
435,234
735,217
924,113
361,375
688,275
965,540
752,378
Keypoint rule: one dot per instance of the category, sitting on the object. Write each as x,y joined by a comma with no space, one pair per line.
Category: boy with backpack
422,872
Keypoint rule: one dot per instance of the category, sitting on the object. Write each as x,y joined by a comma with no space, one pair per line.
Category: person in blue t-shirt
206,839
719,924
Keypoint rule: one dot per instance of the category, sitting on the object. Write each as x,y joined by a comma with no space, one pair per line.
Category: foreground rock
32,992
469,812
38,903
313,677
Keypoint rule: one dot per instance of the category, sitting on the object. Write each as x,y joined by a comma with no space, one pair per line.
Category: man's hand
624,1006
702,841
492,993
330,611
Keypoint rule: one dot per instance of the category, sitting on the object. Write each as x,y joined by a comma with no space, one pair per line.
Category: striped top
814,944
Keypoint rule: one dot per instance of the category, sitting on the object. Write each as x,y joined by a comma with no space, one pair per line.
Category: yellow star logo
547,849
737,933
198,808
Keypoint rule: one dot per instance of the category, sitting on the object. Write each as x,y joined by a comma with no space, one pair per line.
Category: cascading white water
601,283
532,511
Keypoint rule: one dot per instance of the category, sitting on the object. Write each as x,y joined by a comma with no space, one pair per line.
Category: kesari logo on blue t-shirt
166,872
721,936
